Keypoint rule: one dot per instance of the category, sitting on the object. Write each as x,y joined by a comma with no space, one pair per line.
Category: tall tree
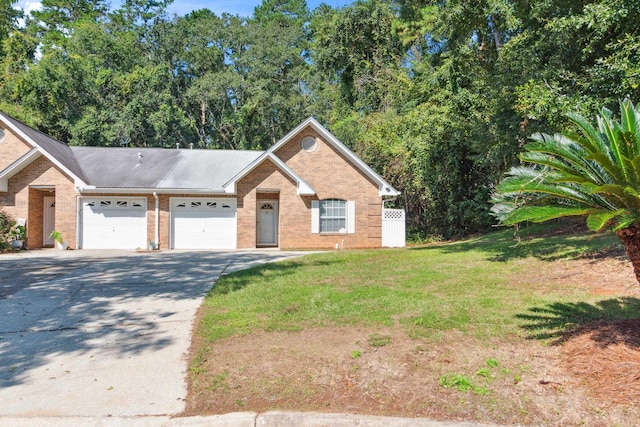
356,53
8,19
56,19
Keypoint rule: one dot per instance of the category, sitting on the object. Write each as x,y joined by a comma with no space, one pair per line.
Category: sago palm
594,173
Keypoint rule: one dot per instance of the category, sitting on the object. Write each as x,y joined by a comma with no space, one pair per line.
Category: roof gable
384,188
303,188
57,152
16,167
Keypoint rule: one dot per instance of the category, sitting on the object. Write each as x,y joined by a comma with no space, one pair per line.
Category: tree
357,55
8,19
57,18
594,173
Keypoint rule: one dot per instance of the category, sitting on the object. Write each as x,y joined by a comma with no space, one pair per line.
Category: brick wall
268,176
332,176
21,201
11,148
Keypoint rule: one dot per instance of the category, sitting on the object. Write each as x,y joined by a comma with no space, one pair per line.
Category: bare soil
588,376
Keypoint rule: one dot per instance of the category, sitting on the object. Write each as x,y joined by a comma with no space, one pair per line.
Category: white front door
48,220
267,222
203,223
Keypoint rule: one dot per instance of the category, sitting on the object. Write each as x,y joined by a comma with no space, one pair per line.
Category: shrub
6,223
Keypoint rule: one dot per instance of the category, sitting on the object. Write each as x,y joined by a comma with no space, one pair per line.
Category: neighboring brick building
307,191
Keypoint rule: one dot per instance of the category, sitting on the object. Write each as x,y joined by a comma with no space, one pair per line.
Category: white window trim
350,217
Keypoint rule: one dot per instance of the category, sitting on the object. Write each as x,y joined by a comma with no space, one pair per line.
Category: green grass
467,286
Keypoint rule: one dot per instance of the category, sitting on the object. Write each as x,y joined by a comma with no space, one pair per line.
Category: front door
267,223
49,220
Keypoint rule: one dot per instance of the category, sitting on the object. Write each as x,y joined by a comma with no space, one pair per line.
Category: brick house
306,191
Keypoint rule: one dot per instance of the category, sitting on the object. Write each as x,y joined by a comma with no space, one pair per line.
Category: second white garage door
199,223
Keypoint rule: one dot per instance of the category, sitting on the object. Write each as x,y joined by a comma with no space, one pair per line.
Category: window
309,144
333,216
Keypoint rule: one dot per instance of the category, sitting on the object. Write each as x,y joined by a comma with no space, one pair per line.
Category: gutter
89,189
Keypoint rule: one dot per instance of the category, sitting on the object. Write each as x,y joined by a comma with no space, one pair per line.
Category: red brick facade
27,189
332,176
330,173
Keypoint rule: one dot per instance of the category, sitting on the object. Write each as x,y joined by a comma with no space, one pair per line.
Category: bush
6,224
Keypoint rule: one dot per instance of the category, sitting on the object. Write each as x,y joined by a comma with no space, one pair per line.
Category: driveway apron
98,333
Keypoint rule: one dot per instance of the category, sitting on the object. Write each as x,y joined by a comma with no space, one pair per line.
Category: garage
203,223
113,223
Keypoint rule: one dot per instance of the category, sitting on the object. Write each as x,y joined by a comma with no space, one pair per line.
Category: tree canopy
437,96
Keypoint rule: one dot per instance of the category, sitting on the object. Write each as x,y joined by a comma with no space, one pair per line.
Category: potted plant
57,236
17,236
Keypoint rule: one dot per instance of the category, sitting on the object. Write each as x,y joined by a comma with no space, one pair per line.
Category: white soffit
16,167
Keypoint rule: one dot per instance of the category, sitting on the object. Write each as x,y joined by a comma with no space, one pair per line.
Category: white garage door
199,223
114,223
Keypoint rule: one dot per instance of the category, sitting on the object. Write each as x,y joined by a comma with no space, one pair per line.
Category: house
307,191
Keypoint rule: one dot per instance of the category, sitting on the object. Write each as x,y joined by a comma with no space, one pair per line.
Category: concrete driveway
103,333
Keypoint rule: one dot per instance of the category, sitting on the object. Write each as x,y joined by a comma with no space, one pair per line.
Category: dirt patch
589,377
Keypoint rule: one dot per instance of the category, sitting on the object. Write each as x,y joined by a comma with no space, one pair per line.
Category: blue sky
243,8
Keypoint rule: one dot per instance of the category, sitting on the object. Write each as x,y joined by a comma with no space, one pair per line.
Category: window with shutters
333,216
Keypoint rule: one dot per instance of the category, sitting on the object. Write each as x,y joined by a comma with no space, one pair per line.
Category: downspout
156,237
78,218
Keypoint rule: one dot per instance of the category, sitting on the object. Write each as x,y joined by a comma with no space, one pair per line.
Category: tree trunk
630,238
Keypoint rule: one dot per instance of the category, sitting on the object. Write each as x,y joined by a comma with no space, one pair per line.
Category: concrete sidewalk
238,419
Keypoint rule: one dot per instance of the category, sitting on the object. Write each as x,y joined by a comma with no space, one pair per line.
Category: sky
243,7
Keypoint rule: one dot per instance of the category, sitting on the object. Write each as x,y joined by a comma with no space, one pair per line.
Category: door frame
276,223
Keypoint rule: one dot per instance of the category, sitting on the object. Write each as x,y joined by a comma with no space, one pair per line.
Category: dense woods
437,96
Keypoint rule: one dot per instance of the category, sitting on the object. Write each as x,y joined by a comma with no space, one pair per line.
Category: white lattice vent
393,214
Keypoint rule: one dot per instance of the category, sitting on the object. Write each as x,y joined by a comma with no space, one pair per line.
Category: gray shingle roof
160,168
172,169
59,150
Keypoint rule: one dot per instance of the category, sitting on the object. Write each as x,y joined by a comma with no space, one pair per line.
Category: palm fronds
593,173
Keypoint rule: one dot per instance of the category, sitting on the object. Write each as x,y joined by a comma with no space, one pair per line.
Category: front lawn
468,330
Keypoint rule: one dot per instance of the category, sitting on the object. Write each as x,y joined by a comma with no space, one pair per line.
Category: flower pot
62,245
17,244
